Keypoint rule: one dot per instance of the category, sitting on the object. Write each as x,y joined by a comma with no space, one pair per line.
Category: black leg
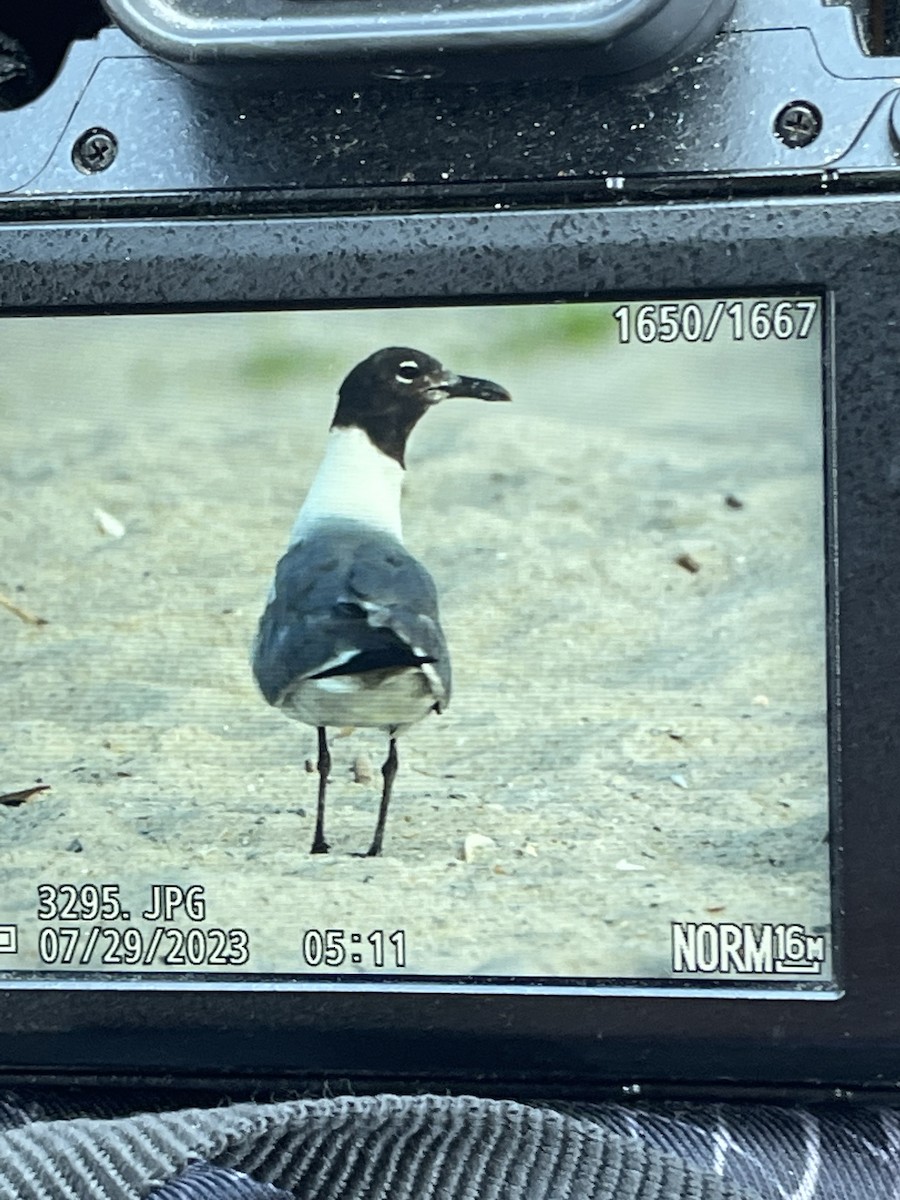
389,770
320,846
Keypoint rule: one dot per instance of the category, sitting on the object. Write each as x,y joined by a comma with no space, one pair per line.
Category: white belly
391,699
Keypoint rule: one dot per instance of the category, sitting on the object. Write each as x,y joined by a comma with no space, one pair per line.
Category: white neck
355,482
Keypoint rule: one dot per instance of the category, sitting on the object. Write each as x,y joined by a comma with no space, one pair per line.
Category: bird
350,635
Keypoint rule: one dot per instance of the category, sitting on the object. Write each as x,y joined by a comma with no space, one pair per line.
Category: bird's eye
407,371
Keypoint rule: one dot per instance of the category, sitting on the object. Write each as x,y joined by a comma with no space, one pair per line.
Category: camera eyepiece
303,42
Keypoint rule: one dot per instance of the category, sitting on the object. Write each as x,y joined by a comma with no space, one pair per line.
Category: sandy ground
633,743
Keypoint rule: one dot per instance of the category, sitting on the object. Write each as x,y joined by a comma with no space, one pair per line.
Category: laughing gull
350,635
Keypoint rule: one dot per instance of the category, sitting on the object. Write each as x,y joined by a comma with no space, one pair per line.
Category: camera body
761,169
730,120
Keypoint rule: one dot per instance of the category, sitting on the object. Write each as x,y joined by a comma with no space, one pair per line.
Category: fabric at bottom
352,1148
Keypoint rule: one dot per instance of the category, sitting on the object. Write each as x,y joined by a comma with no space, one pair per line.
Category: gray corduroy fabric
351,1148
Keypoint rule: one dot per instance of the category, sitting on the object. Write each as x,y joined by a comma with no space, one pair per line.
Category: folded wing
345,603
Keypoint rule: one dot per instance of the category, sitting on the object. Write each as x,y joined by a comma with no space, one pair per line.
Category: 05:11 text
337,948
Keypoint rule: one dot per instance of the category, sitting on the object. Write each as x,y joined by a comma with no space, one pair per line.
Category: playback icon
9,939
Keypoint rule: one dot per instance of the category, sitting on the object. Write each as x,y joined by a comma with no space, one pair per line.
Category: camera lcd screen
533,692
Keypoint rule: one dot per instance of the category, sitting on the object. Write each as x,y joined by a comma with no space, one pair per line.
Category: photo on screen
561,578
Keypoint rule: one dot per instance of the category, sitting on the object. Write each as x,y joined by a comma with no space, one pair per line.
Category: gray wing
345,601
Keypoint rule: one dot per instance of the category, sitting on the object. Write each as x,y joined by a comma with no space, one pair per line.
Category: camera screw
94,151
798,124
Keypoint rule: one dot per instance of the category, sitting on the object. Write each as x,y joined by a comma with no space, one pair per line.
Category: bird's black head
388,392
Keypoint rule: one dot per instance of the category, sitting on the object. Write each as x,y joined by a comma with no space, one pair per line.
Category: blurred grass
535,330
513,331
276,364
560,358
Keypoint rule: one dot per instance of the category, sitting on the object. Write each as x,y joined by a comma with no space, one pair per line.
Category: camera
507,397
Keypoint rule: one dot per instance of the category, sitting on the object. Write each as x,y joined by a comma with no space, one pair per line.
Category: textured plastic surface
307,41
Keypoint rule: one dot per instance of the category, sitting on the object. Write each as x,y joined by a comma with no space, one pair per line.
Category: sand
630,742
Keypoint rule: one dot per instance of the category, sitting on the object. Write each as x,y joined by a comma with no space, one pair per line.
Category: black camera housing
119,132
199,223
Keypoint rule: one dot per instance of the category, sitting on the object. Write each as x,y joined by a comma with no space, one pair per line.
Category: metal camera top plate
716,125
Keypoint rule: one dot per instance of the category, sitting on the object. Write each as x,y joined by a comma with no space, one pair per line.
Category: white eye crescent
407,371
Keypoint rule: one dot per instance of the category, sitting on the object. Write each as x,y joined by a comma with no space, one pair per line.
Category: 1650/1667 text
738,320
